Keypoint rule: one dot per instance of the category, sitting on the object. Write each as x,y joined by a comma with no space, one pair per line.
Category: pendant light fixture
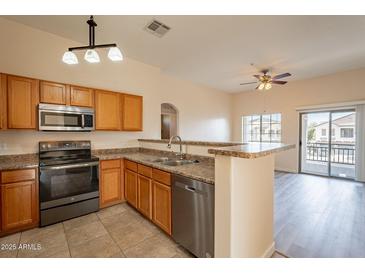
91,55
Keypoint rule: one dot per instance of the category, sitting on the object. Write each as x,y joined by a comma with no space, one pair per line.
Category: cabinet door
3,107
52,93
132,112
107,110
110,187
81,97
145,196
23,98
19,205
130,182
161,206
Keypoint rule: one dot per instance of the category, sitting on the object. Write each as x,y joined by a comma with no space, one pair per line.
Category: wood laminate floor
319,217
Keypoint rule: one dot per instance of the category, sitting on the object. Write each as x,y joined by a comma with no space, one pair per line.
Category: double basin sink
174,162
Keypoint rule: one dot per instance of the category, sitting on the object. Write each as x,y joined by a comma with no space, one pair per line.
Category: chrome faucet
181,154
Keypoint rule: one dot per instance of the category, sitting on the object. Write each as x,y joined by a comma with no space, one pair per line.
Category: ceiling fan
266,81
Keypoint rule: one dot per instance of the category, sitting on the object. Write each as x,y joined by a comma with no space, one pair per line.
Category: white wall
335,88
204,113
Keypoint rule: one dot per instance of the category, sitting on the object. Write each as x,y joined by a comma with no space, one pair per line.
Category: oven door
65,121
65,184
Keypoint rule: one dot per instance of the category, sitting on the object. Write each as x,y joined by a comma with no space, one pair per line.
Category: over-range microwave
65,118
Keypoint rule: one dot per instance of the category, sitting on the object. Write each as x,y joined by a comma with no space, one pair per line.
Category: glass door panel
343,138
315,143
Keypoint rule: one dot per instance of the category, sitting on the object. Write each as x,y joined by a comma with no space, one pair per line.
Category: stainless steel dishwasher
193,215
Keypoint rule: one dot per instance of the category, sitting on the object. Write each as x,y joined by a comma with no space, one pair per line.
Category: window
347,133
262,128
324,132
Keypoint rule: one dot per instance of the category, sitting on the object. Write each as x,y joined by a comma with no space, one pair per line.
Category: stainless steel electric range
68,179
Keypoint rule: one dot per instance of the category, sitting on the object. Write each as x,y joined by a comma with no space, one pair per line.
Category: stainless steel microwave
65,118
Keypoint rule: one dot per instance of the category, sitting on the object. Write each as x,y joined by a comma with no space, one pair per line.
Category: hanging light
115,54
268,86
91,55
70,58
261,86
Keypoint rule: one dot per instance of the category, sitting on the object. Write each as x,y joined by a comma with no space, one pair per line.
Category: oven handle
69,166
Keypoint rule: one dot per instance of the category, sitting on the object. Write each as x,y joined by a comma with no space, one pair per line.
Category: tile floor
117,231
114,232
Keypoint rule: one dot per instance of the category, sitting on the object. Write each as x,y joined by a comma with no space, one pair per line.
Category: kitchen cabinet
144,196
19,200
132,107
161,206
149,191
22,98
53,93
111,183
131,187
3,100
81,97
107,110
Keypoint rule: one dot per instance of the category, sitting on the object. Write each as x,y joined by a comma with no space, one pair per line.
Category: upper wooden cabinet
53,93
23,98
132,106
3,101
107,110
81,96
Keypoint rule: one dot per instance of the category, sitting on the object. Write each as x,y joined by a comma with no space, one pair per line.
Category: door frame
330,111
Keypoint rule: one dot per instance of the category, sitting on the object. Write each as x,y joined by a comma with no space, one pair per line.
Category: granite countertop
250,151
18,161
202,171
193,143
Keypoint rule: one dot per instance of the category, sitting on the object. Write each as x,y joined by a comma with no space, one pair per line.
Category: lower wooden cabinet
144,196
161,206
111,183
149,191
131,187
19,200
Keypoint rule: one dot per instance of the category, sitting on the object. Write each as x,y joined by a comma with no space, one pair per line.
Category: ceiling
217,51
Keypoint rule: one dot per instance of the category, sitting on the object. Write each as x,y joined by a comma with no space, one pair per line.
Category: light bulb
268,86
70,58
261,86
92,56
115,54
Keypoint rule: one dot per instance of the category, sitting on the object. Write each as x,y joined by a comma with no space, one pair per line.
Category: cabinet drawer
131,165
145,170
161,176
12,176
106,164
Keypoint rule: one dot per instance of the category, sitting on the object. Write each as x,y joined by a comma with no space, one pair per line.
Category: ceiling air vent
157,28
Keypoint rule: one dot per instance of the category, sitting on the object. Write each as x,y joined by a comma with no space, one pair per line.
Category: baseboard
286,170
269,252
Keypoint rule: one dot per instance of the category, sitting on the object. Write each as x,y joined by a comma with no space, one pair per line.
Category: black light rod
93,47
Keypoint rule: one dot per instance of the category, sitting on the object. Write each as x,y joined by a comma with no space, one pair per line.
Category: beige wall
205,113
339,87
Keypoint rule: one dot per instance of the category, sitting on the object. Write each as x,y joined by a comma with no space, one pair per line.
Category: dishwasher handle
189,188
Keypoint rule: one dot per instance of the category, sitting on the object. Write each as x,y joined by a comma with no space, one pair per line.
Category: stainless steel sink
174,162
179,162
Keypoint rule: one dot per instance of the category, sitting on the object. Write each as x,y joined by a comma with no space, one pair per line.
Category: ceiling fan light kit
266,81
91,55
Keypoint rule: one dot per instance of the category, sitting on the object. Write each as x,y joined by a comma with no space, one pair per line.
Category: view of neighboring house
343,130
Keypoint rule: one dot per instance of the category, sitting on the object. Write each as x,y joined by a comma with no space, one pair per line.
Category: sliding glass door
328,143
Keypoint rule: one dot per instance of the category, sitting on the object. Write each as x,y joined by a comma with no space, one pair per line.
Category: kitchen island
244,183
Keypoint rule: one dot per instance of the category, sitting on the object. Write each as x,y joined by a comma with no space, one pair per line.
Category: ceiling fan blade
248,83
279,82
257,76
257,87
281,75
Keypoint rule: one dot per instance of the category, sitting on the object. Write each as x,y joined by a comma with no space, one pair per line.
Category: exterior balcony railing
340,153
